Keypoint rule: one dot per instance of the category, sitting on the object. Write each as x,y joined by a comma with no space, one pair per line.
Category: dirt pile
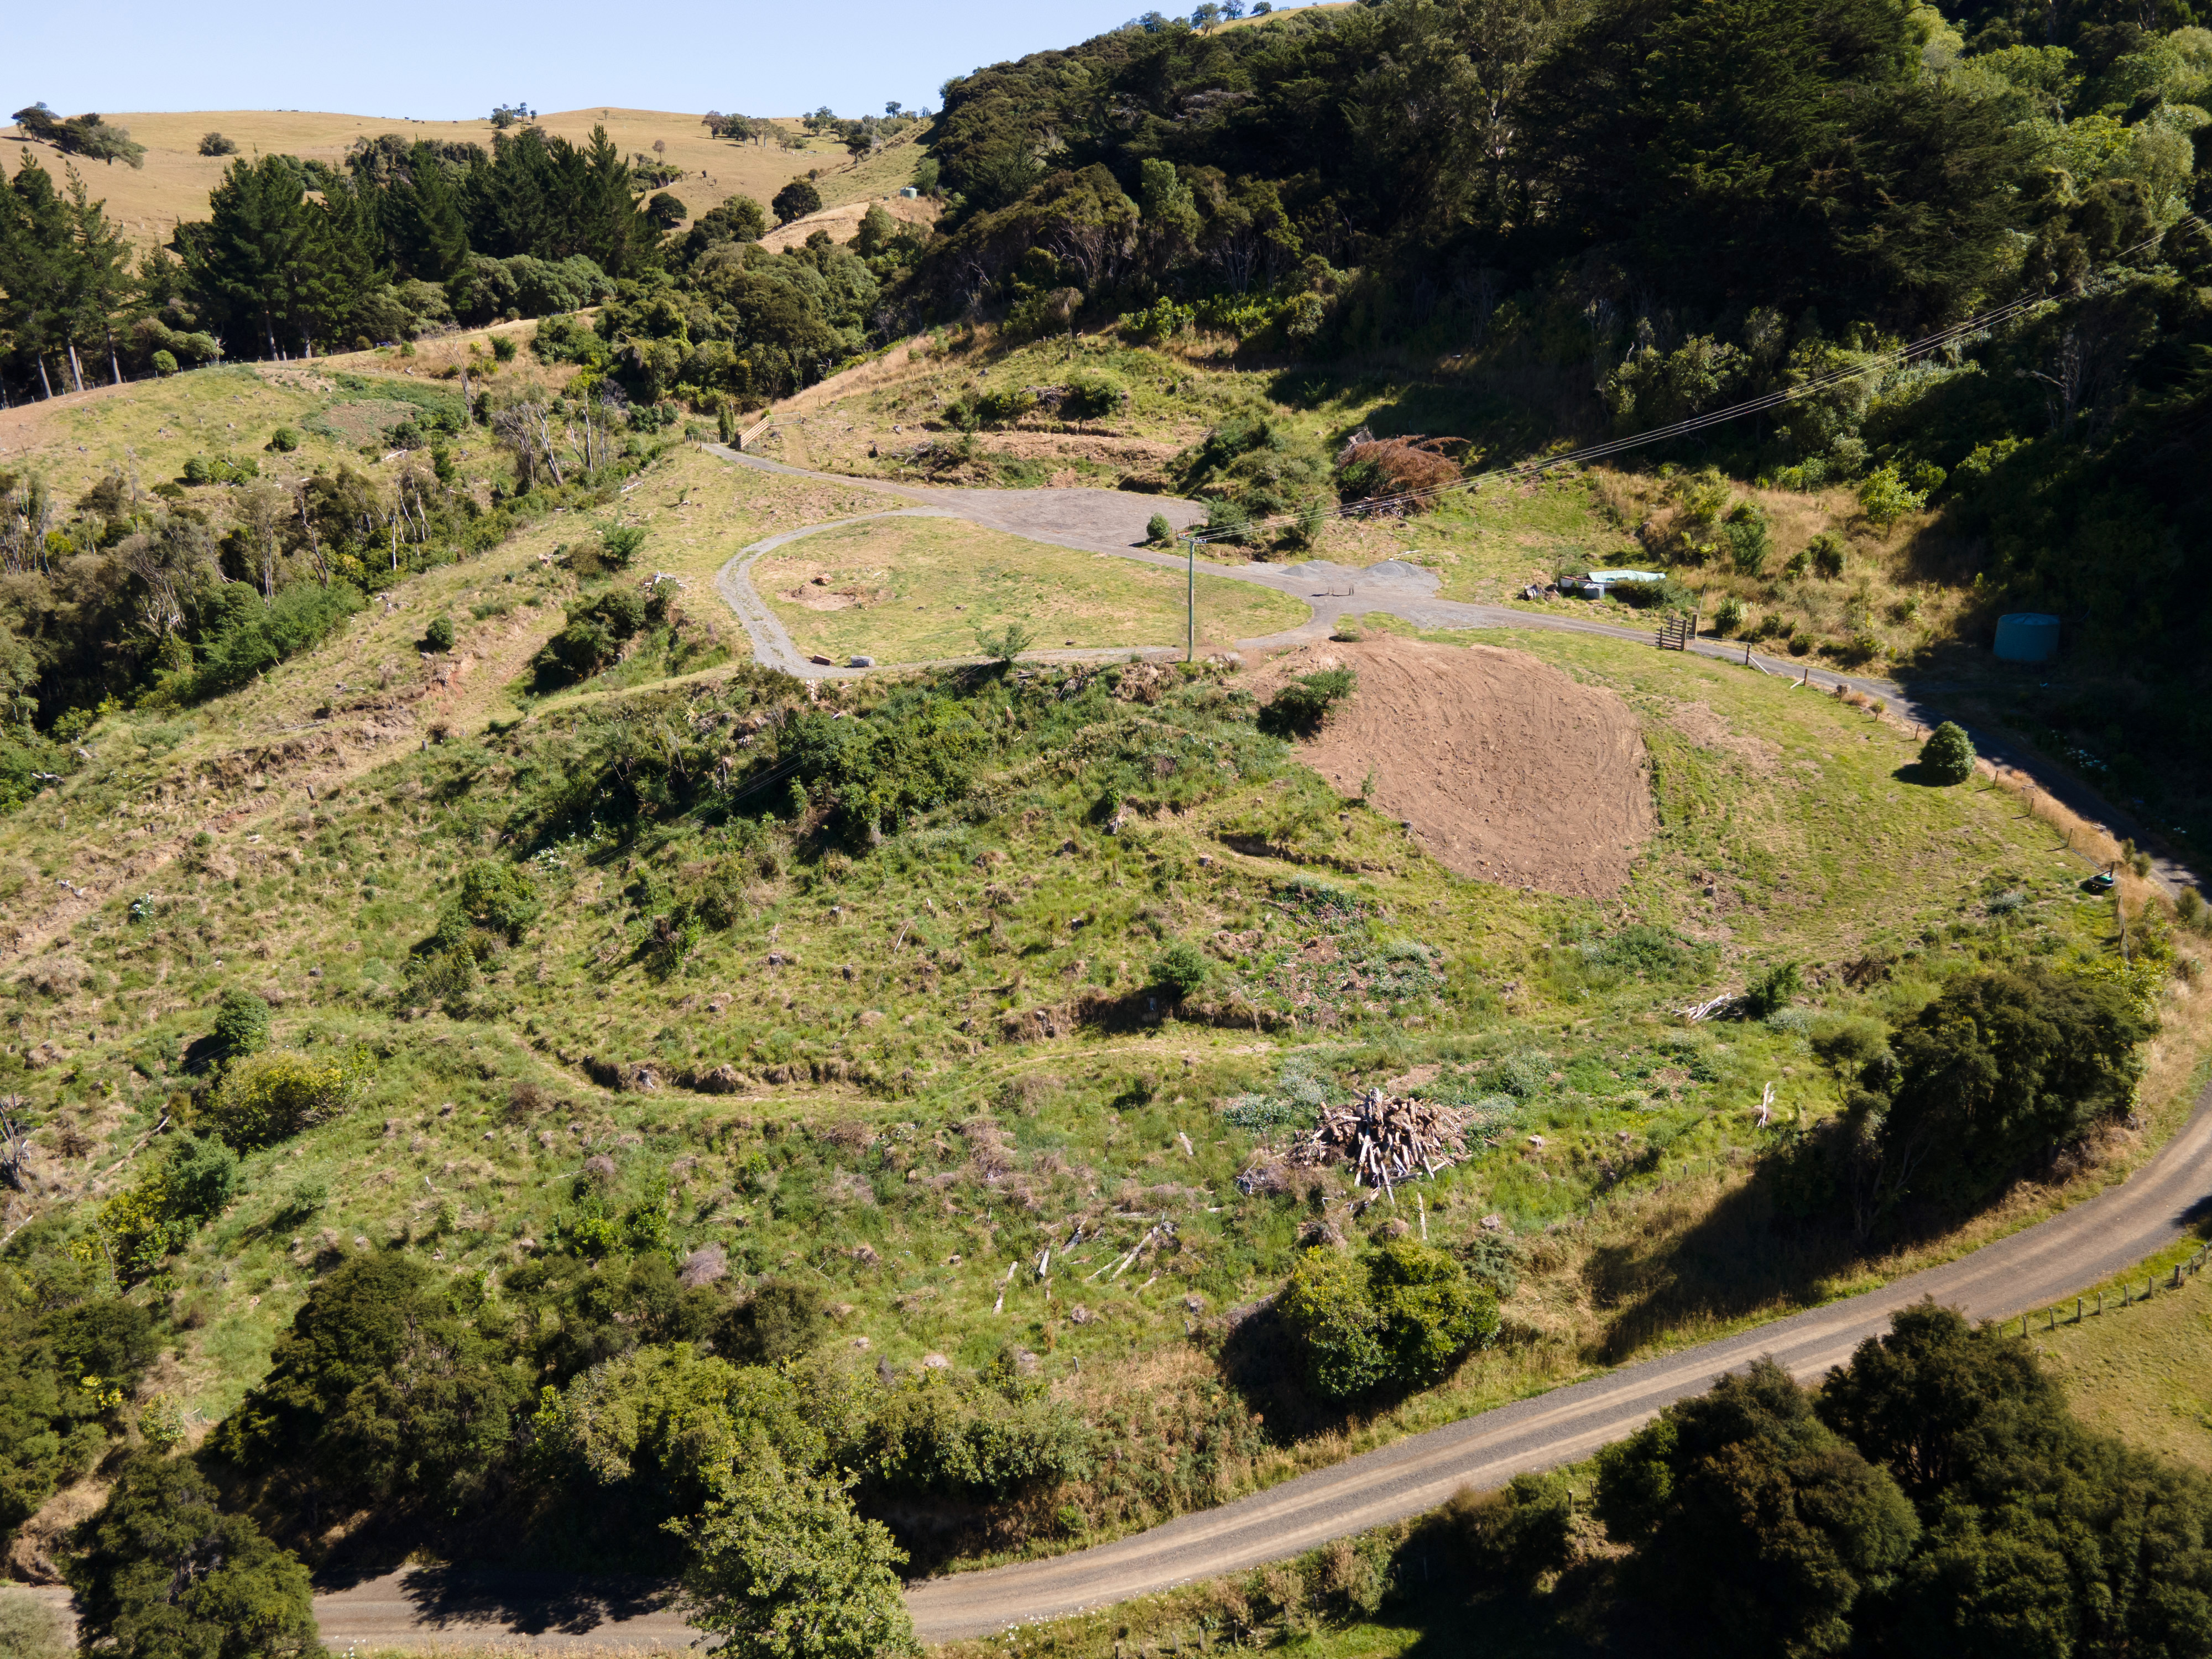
1506,769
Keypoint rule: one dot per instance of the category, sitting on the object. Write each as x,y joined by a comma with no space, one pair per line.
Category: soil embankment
1505,767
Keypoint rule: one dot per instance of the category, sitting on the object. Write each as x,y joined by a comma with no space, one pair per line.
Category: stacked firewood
1386,1138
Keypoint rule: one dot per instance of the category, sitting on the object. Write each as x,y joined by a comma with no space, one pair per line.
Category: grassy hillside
891,1058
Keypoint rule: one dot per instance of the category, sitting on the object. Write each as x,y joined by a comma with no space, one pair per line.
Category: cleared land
1507,769
174,183
916,590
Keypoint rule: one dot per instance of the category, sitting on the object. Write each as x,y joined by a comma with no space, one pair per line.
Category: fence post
2077,1310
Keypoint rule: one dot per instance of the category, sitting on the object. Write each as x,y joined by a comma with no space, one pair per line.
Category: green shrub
1728,614
935,1434
503,347
1395,1318
1299,707
1516,1533
1157,531
497,898
1948,757
438,636
1770,992
273,1097
284,440
164,364
157,1217
1825,551
1744,532
160,1570
783,1567
1179,970
241,1026
1092,395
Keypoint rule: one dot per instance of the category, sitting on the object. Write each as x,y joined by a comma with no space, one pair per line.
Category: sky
455,61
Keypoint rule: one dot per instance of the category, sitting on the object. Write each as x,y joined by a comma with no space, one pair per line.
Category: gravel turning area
1506,769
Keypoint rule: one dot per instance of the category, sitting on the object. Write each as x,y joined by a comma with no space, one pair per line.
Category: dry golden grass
174,183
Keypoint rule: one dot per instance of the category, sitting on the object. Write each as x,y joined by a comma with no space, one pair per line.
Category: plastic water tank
2028,636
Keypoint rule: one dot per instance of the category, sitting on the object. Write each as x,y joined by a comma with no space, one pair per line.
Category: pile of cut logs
1385,1138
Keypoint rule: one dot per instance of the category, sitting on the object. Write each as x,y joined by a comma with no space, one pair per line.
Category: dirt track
1507,769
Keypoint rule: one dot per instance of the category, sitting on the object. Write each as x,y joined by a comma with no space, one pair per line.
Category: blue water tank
2028,636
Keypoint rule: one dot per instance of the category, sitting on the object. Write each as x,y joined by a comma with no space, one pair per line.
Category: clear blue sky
455,61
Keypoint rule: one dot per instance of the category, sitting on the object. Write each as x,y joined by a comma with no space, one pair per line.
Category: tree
1753,1522
1999,1072
783,1568
160,1573
214,143
1948,757
666,210
381,1390
795,201
1397,1317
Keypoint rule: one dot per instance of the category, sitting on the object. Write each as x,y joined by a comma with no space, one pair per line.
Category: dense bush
1179,970
1998,1073
1299,707
382,1389
795,201
1394,1318
271,1097
1749,1515
64,1375
161,1572
933,1433
241,1026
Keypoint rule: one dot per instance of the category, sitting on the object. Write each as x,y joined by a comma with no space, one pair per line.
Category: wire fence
2093,1305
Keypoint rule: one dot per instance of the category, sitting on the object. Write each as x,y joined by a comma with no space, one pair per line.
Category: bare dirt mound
1507,769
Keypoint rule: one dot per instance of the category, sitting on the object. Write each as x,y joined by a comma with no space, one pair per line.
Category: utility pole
1190,600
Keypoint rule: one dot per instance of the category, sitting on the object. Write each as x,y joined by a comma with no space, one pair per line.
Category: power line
1941,337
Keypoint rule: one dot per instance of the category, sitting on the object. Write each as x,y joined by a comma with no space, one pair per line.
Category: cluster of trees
1665,207
1934,1496
1994,1079
81,135
299,256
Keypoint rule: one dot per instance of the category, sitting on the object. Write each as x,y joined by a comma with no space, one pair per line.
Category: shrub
935,1434
1179,970
1728,614
619,544
1392,467
503,347
164,364
1092,395
1825,551
274,1096
158,1216
160,1570
284,440
1885,498
214,143
438,636
1003,645
1299,707
1398,1317
1516,1533
1159,531
241,1026
1771,991
1745,534
499,898
1948,757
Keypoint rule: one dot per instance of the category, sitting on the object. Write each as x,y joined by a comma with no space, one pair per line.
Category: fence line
2192,1266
